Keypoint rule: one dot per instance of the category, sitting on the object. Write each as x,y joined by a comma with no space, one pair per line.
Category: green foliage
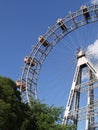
14,115
48,118
8,90
8,97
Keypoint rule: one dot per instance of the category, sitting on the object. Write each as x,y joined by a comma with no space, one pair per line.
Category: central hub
80,53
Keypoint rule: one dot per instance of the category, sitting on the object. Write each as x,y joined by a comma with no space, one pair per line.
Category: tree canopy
15,115
49,117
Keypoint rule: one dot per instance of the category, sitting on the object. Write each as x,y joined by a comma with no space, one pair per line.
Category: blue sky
21,23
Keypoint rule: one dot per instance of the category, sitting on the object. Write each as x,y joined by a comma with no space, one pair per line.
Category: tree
14,115
48,118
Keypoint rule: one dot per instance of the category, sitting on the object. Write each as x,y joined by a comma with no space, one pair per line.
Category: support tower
82,105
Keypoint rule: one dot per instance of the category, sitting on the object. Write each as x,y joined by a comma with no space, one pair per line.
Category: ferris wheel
34,61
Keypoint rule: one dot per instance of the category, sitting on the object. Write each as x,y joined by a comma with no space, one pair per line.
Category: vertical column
77,97
90,110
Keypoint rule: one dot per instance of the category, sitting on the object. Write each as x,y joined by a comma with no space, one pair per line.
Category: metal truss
45,43
74,111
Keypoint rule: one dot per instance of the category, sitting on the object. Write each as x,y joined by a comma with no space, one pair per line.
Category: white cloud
92,53
94,1
92,50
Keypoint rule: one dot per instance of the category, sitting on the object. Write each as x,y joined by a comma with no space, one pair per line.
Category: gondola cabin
29,61
19,84
61,24
85,12
42,40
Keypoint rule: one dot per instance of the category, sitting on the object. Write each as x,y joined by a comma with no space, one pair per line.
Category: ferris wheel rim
70,23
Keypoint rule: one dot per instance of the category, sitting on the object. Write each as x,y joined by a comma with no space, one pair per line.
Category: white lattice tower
75,112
